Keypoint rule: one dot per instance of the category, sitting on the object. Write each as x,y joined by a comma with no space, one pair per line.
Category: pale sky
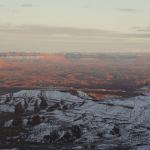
75,25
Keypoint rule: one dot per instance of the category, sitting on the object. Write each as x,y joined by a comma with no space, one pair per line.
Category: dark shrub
36,120
19,110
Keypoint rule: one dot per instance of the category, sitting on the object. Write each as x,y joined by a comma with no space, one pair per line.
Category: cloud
61,39
56,31
135,27
72,32
128,10
141,29
26,5
138,35
1,5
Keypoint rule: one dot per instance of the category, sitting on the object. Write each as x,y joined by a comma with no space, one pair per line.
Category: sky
75,25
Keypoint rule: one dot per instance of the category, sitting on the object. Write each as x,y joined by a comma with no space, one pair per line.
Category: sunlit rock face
4,64
74,121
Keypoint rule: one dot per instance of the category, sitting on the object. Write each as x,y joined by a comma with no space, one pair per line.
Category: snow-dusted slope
31,96
68,118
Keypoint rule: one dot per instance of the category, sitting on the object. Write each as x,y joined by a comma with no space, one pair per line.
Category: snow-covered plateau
61,120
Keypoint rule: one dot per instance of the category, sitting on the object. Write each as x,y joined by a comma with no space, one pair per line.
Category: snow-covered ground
108,124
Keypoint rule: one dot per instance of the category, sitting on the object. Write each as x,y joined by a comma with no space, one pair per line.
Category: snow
38,132
130,117
49,94
83,95
8,123
6,108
